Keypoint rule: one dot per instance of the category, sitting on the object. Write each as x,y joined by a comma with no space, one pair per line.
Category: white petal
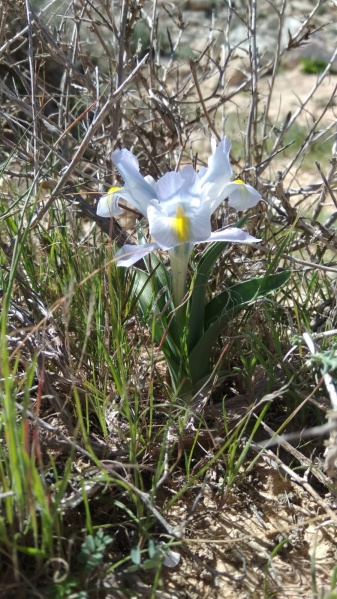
218,174
171,559
150,180
233,235
128,194
219,164
242,196
168,186
130,254
136,190
213,144
200,222
108,205
124,159
192,184
202,172
179,189
189,175
162,224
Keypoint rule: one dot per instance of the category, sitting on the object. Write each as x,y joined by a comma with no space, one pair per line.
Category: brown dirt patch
259,542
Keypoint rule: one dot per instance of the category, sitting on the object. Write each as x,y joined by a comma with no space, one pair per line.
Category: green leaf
133,568
234,298
151,564
32,551
155,304
200,282
221,309
152,549
89,544
136,556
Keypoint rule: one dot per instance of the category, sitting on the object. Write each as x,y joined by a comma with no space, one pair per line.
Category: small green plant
312,66
185,52
152,562
326,360
140,41
67,589
157,556
93,549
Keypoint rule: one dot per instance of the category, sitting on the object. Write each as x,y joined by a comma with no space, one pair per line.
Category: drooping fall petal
130,254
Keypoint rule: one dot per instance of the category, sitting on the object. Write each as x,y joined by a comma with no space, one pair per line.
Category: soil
268,538
233,544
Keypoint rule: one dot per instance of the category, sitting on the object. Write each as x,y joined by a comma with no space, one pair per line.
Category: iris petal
137,191
242,196
130,254
182,224
232,235
108,204
180,204
218,174
161,228
168,186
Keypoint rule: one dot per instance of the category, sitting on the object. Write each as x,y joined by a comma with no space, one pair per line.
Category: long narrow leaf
200,282
165,328
221,309
242,293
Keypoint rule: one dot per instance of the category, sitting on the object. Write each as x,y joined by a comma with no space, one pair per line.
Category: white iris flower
179,205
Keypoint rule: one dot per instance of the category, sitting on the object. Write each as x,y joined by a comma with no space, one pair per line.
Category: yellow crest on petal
113,189
181,225
239,181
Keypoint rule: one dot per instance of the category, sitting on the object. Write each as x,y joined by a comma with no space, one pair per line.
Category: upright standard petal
169,186
182,188
219,172
219,165
137,191
108,204
130,254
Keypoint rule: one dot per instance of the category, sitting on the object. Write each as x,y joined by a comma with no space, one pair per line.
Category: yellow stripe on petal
113,189
181,225
239,181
